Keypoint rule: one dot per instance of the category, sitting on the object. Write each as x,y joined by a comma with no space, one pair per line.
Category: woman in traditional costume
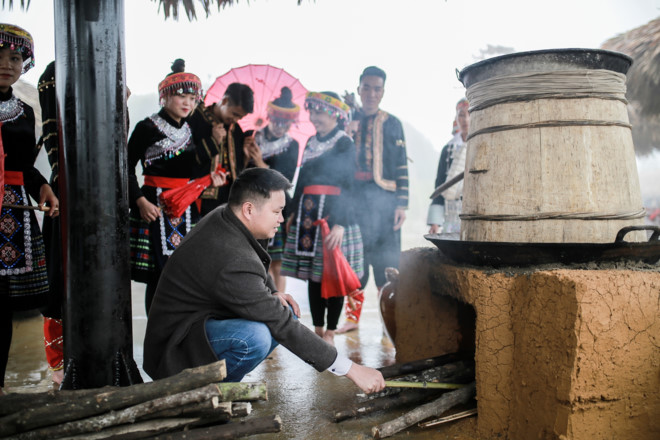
279,151
51,229
162,143
324,190
23,277
444,211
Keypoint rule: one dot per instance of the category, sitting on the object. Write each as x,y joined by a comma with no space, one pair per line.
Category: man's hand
219,133
399,218
287,300
367,379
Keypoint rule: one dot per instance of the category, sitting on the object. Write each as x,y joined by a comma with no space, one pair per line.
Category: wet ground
303,398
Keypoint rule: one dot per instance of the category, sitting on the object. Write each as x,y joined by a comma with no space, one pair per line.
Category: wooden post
91,97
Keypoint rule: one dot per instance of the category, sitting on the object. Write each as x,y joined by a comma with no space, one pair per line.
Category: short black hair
256,183
373,71
241,95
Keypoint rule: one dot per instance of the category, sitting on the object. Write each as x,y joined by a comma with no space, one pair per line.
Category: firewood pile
433,385
194,404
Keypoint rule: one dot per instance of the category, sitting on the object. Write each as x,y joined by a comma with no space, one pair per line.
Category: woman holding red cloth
162,143
23,277
324,190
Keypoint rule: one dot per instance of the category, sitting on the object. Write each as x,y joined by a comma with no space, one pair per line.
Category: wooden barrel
550,156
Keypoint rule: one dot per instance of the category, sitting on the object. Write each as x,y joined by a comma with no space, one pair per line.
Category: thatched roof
643,80
171,7
643,46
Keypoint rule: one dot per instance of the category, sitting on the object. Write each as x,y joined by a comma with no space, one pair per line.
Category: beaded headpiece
462,103
180,83
326,103
16,38
283,114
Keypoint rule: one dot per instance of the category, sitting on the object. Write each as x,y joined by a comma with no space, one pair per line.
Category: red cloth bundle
339,278
53,342
176,200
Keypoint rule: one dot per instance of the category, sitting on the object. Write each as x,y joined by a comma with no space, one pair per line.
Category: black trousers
318,305
382,244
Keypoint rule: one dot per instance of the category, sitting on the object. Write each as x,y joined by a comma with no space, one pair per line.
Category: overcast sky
327,43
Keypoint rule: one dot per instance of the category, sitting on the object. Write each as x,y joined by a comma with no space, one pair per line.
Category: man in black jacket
216,300
381,187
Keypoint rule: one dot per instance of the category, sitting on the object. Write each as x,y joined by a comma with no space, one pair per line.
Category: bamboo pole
28,207
461,371
431,409
243,391
429,385
450,418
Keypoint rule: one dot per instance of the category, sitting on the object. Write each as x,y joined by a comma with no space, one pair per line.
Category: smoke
492,51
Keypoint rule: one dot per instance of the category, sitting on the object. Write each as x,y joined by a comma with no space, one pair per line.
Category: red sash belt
322,189
364,175
165,182
14,177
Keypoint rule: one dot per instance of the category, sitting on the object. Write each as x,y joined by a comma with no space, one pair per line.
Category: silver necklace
174,143
272,148
315,148
10,109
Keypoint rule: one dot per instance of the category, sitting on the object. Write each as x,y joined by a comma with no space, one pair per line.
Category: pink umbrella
266,81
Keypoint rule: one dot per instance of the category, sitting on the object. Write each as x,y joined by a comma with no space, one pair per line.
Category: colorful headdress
330,105
462,103
16,38
283,109
180,83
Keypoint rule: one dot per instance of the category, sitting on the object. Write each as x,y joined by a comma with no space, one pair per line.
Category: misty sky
327,43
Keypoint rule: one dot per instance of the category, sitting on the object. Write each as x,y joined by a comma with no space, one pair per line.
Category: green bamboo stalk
436,385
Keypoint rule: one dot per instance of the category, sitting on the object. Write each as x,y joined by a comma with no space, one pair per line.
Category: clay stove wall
560,354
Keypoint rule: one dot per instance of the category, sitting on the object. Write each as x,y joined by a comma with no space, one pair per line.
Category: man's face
371,91
230,113
463,119
267,216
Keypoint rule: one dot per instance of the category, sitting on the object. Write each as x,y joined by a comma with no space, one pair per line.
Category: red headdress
16,38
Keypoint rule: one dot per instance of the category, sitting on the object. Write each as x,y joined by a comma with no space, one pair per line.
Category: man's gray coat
219,271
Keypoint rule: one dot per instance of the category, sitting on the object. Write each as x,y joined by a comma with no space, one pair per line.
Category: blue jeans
241,343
